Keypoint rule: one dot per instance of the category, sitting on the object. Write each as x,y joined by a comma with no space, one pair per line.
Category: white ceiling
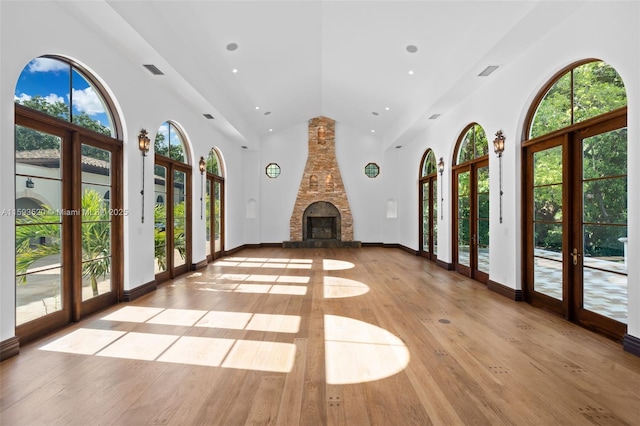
341,59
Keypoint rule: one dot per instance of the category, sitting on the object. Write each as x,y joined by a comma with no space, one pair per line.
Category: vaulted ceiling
348,60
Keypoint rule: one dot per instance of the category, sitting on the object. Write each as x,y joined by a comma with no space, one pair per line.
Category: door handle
575,255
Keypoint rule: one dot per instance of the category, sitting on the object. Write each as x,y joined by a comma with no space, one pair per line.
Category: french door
429,217
471,224
214,206
172,217
576,225
69,236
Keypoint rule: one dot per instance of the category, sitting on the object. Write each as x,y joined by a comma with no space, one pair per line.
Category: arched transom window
57,87
214,166
473,145
583,92
169,143
429,165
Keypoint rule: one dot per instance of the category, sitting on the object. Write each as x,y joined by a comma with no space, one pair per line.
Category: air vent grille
153,69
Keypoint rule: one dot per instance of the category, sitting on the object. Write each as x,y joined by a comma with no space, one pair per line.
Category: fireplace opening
322,228
321,221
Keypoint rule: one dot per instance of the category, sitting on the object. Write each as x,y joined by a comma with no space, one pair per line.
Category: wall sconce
498,146
30,184
202,165
143,146
441,171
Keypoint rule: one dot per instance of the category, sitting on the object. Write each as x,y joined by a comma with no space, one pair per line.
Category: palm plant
96,239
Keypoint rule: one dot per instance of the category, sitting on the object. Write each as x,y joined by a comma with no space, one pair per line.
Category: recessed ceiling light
410,72
267,112
412,48
386,108
257,107
153,69
398,146
232,46
373,131
271,130
235,71
209,116
375,113
244,147
488,70
434,116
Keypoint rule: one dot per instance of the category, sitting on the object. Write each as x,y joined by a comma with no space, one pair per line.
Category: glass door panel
425,216
160,218
207,221
464,218
434,219
96,227
548,268
179,218
482,218
217,217
38,226
604,224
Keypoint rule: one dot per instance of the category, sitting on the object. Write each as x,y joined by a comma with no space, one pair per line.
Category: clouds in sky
87,101
46,65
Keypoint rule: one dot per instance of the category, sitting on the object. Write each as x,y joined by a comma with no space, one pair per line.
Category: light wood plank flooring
370,336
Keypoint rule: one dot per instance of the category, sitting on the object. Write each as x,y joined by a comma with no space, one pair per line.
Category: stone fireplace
321,215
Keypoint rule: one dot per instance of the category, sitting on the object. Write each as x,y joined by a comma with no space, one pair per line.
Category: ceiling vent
153,69
208,116
488,70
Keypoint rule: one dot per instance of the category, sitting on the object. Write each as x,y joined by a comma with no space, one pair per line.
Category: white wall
354,149
143,101
503,103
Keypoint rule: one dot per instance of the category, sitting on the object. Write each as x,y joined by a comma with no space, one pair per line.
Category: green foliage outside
598,89
96,239
160,234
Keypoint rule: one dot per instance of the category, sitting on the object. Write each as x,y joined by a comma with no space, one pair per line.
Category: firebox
321,228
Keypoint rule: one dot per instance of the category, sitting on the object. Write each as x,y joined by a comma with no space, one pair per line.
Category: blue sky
49,78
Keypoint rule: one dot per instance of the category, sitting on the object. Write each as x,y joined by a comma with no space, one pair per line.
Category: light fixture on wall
203,166
143,146
441,171
498,146
30,184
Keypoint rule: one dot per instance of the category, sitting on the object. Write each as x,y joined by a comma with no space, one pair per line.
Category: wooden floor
322,337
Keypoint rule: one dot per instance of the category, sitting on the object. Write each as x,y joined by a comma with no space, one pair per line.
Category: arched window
472,146
214,220
471,203
172,235
68,160
169,143
582,92
575,197
428,206
57,87
214,166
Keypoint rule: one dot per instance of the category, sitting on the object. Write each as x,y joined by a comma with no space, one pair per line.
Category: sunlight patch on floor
357,352
84,341
133,314
142,346
337,287
336,265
